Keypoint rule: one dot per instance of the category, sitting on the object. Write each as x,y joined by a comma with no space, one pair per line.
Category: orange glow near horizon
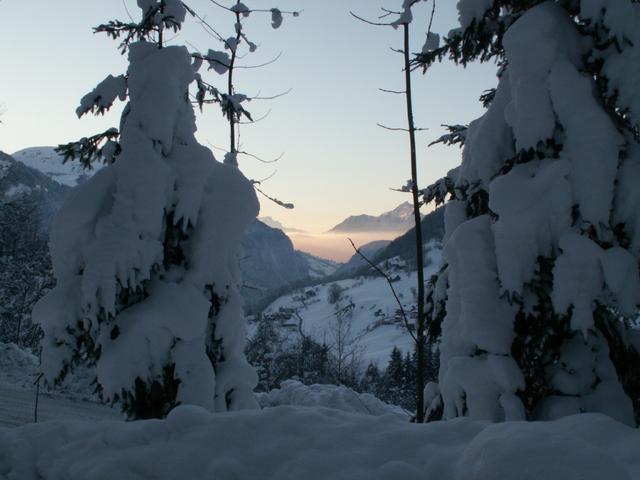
336,246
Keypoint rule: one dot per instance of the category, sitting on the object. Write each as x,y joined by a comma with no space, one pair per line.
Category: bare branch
255,120
399,92
433,12
260,159
272,97
400,129
377,24
260,182
260,65
295,13
288,206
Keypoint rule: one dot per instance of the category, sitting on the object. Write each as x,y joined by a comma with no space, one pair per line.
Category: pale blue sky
337,161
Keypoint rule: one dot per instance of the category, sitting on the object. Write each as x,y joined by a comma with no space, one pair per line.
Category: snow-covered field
319,444
315,432
372,322
74,400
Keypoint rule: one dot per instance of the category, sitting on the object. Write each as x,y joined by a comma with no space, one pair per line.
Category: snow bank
292,392
319,444
17,367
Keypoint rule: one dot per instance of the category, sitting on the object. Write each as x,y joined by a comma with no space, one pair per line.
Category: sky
336,161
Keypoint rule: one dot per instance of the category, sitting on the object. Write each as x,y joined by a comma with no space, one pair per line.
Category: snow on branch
456,136
101,98
101,147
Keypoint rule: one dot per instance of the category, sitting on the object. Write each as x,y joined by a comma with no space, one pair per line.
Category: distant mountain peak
400,219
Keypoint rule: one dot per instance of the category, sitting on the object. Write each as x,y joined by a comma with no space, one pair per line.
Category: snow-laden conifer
145,252
540,287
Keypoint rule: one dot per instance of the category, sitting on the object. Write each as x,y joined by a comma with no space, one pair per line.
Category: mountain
48,162
31,188
319,267
356,262
268,261
432,226
273,223
400,219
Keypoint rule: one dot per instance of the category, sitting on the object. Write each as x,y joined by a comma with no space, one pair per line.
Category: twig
393,290
272,97
399,92
288,206
400,129
242,152
260,65
260,182
255,120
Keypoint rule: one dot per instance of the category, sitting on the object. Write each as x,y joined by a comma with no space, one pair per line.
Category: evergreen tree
540,284
393,381
371,381
409,380
25,270
145,251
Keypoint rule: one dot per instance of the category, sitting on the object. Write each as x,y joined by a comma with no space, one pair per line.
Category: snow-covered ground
17,407
367,306
292,392
74,400
319,444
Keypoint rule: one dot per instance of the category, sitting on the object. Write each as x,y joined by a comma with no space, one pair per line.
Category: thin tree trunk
420,321
232,120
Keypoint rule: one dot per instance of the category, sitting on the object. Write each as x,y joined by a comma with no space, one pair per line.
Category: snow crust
316,444
292,392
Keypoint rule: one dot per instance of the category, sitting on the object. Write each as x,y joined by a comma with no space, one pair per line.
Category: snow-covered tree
540,287
145,251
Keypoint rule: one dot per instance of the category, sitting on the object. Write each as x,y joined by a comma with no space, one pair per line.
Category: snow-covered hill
362,309
400,219
47,161
30,188
356,262
319,267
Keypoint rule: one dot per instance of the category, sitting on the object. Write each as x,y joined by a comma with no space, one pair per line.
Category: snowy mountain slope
356,262
273,223
319,267
365,304
432,226
31,188
399,219
47,161
269,262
